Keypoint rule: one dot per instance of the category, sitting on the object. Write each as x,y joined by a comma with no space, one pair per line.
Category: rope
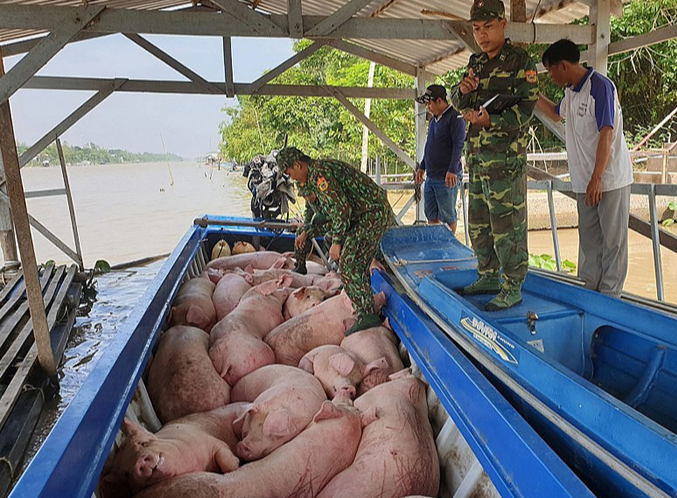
401,262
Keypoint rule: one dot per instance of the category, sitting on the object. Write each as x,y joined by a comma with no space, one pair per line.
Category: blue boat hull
597,376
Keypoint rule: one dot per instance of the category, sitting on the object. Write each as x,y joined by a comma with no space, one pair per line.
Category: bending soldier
359,214
314,223
496,155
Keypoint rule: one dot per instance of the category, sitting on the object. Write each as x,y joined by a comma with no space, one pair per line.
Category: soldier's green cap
288,156
303,189
486,10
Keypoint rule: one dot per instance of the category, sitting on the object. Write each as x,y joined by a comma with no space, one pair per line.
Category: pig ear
327,411
306,364
286,281
402,374
239,421
386,324
267,288
379,301
375,365
278,423
342,363
130,428
196,316
279,263
249,269
347,302
300,293
368,417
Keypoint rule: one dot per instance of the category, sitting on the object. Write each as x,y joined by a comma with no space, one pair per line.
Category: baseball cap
433,92
486,10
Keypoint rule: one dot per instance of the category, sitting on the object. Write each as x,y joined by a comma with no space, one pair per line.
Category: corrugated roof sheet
436,56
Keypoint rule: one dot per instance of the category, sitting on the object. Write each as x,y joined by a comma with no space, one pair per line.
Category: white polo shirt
587,108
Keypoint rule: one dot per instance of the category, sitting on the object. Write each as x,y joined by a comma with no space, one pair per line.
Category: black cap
433,92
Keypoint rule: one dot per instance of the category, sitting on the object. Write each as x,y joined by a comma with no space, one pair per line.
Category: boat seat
639,370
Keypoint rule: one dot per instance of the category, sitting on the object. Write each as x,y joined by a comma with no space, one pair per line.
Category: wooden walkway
23,385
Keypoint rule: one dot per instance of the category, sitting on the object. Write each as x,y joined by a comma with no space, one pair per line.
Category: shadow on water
104,309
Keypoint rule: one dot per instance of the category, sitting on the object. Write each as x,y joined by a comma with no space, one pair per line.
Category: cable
533,24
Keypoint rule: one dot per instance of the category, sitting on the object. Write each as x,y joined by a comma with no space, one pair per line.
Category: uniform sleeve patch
532,76
322,184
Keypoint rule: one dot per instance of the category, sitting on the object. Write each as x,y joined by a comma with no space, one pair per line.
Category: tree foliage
646,80
95,154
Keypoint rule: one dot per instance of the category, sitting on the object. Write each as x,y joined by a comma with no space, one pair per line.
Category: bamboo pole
17,200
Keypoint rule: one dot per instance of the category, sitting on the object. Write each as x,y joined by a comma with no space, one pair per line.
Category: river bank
127,212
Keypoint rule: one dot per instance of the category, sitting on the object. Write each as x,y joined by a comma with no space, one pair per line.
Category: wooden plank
295,19
15,318
16,385
10,285
10,356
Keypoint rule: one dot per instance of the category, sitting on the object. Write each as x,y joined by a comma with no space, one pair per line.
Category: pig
197,442
298,469
397,451
237,346
303,299
214,275
256,277
330,281
338,370
181,364
229,290
220,249
243,248
324,324
193,304
370,345
283,401
259,260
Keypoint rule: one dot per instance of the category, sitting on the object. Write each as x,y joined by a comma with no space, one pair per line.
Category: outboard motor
271,190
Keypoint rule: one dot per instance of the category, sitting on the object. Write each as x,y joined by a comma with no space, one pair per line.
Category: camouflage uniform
314,223
359,214
497,160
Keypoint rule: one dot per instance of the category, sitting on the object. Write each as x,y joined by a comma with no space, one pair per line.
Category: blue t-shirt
444,146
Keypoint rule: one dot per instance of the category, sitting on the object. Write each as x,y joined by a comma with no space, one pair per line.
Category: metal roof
436,56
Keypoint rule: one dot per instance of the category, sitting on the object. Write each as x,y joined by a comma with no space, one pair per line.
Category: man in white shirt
599,164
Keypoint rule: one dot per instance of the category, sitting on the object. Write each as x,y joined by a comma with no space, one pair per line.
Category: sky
187,124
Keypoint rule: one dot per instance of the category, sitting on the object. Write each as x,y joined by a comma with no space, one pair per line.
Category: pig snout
146,464
343,391
248,450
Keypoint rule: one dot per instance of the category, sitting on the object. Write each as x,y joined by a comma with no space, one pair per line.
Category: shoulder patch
322,184
532,76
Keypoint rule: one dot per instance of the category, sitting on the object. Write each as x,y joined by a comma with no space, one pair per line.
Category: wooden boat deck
23,385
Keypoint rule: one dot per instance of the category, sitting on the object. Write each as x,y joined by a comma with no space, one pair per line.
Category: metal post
71,208
465,213
17,199
553,226
421,130
655,239
378,170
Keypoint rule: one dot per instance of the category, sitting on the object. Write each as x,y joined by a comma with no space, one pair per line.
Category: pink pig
181,363
369,345
338,370
259,260
283,401
303,299
397,451
193,304
237,340
256,277
228,293
299,469
329,282
197,442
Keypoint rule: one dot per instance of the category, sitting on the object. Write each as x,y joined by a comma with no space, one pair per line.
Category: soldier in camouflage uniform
314,223
496,155
359,213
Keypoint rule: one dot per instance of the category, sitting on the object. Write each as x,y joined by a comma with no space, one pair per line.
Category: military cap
486,10
287,157
432,93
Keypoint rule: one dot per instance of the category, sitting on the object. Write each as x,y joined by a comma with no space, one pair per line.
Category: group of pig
262,396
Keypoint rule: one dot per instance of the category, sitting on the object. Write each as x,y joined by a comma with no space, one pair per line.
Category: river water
132,211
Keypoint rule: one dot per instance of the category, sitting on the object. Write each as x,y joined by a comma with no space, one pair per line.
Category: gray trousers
603,241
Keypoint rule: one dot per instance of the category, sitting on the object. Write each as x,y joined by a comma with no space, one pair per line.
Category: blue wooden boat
486,448
596,376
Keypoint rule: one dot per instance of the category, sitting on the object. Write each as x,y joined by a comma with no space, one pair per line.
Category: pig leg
225,460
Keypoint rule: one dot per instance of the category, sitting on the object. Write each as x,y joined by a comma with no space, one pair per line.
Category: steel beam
295,19
15,195
228,66
173,63
370,55
42,53
404,157
188,87
222,24
73,118
293,60
257,22
338,18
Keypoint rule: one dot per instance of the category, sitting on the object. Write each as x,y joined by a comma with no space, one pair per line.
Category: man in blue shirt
442,157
